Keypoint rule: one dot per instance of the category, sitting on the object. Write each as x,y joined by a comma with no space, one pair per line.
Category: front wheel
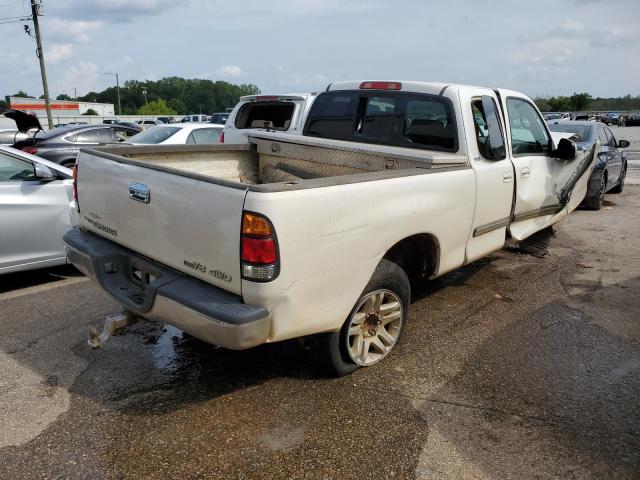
595,202
375,324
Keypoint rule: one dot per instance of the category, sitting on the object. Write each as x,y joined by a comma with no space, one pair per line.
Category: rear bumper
156,292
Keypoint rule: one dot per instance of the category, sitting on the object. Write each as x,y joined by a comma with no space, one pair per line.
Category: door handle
525,172
507,176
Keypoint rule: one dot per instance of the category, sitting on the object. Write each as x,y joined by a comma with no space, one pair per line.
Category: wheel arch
418,255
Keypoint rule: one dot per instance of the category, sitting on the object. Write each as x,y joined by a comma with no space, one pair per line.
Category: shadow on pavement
30,278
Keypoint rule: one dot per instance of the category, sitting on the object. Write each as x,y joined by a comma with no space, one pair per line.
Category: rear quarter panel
332,238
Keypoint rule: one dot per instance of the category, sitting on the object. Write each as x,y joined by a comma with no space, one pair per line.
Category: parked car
283,113
323,233
219,118
167,119
610,170
35,211
557,116
195,118
179,134
110,121
61,145
144,124
131,125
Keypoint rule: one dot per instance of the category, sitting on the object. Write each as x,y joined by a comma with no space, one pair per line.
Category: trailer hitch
112,324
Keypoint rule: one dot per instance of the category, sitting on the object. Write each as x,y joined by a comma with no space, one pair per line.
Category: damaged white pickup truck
324,233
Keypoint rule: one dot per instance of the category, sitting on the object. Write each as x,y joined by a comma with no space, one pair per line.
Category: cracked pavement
512,367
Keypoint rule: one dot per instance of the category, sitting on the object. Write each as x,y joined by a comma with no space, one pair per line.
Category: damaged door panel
547,187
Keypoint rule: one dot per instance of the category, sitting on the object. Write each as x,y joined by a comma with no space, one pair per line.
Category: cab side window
603,137
528,133
487,128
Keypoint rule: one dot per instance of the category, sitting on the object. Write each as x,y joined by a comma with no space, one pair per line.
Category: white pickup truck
322,233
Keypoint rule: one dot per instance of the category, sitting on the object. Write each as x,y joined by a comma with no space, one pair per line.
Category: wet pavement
513,367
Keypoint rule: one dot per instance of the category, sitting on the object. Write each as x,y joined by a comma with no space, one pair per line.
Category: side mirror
566,150
623,143
44,173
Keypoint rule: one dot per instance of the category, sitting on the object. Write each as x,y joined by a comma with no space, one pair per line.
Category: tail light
221,140
258,248
31,150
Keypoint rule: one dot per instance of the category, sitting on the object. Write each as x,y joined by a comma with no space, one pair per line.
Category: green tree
90,111
156,107
63,96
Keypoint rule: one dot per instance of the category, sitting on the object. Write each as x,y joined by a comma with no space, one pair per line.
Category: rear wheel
595,202
375,324
68,163
620,186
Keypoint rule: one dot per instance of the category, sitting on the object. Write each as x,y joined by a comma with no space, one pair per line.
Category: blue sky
541,47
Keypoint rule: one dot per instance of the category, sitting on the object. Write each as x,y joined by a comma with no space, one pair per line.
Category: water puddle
164,351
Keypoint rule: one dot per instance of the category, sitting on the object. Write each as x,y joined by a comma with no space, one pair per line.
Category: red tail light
258,248
31,150
221,137
259,251
380,86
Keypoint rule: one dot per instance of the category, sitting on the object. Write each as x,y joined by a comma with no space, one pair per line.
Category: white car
36,209
179,134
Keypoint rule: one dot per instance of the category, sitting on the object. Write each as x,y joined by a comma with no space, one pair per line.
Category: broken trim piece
538,212
490,227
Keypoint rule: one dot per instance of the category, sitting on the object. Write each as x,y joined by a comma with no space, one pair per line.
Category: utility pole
75,94
35,11
117,90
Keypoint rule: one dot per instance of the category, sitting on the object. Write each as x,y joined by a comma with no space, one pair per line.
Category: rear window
154,135
274,115
398,119
581,130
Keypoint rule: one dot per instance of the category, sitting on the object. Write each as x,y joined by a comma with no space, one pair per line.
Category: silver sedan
36,200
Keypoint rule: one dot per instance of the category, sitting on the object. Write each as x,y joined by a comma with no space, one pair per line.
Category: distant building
60,108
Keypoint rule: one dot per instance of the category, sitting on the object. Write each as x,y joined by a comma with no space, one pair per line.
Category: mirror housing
44,173
623,143
566,150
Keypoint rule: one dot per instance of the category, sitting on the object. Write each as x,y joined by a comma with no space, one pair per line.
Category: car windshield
581,130
154,135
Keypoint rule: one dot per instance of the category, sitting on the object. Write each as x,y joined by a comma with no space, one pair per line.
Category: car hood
25,121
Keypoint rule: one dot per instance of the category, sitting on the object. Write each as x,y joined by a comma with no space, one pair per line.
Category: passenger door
543,183
493,172
34,214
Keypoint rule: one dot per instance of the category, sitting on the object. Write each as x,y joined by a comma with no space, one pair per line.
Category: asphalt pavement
512,367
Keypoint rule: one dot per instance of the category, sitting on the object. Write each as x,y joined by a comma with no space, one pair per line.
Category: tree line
580,102
167,96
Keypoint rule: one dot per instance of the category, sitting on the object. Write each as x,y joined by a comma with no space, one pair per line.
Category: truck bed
291,160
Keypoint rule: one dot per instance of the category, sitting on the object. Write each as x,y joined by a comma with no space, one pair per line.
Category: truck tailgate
190,224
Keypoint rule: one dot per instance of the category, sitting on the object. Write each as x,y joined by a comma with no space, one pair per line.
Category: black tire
620,186
68,163
595,202
387,276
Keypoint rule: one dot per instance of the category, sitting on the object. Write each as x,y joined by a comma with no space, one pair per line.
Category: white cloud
233,71
83,76
58,52
77,30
